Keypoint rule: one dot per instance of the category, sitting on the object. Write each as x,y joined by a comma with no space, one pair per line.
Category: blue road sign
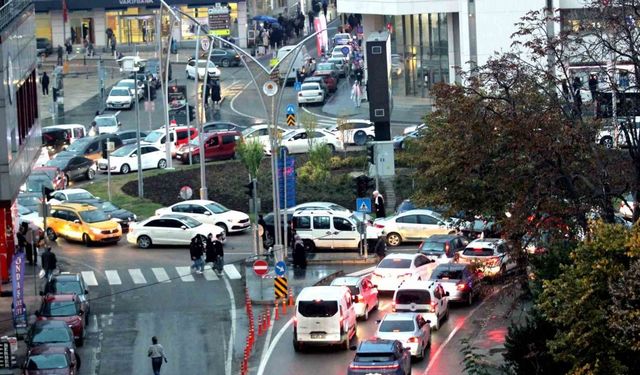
363,205
281,268
291,109
345,51
297,86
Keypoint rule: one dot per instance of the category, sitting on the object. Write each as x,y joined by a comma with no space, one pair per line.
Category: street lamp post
166,88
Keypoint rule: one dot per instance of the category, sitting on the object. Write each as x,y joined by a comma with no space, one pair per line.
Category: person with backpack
218,251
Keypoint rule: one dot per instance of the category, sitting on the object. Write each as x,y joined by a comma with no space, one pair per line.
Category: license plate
178,157
317,335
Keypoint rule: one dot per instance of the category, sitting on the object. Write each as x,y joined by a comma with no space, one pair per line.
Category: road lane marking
112,277
233,107
232,272
137,276
263,363
89,278
228,365
267,338
161,275
363,272
185,274
210,275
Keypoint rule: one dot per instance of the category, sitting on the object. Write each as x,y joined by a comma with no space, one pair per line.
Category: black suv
379,356
442,246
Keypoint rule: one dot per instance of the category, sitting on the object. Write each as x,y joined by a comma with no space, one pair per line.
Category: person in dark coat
49,262
209,254
218,251
290,234
45,83
196,249
381,246
378,204
215,93
299,253
60,53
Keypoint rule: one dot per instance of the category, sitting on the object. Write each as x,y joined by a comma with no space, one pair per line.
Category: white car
125,159
297,141
311,92
260,133
490,254
135,87
364,294
356,132
395,268
327,229
211,68
337,52
327,206
172,229
410,329
412,128
413,225
28,216
60,196
120,97
210,212
108,123
428,298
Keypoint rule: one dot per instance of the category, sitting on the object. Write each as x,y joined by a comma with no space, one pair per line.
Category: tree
251,153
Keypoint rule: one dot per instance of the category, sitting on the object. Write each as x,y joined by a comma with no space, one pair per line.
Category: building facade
20,138
433,37
132,22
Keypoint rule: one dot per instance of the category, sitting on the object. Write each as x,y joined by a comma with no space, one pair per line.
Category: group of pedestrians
31,242
204,250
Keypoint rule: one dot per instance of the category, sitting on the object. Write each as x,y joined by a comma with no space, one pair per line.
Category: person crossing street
196,250
156,353
219,253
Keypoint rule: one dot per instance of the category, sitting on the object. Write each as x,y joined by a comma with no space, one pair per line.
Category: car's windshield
128,84
203,63
66,287
119,92
29,200
191,223
154,136
79,196
395,263
50,335
389,325
61,308
108,206
80,144
432,247
47,362
195,142
407,297
318,308
105,121
310,86
93,216
124,151
216,208
336,60
325,66
446,274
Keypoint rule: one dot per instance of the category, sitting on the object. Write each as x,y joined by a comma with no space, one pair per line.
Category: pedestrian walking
299,253
60,52
356,93
156,353
381,246
378,204
45,83
218,250
196,249
27,240
215,94
209,252
49,262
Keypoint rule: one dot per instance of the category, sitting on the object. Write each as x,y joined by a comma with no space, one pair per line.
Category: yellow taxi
81,222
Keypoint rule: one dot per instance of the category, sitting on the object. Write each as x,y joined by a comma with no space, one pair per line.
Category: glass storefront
202,15
132,26
420,43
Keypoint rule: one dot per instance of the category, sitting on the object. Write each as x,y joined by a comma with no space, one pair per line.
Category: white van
300,62
325,315
425,297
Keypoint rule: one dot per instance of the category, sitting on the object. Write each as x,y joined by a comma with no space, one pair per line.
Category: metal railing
10,10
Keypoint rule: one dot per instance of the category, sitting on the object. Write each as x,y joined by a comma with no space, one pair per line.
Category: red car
46,360
67,308
329,79
218,145
56,175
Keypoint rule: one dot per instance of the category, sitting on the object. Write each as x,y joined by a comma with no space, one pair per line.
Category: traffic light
370,154
249,188
362,186
192,113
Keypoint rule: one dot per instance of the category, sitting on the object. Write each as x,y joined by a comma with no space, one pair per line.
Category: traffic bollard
277,316
291,302
284,307
260,326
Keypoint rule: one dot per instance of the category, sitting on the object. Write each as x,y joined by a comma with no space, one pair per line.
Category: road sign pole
139,157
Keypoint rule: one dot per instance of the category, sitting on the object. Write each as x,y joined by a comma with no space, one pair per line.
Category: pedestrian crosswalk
142,276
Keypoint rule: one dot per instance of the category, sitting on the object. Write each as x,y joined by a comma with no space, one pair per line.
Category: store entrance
137,29
87,30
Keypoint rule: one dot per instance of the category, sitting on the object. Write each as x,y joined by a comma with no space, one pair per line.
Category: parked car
216,126
378,356
55,174
50,332
74,167
108,123
364,294
130,136
70,194
413,225
224,57
395,268
81,222
211,69
355,131
312,92
338,51
297,141
328,68
341,65
122,216
69,283
178,136
44,47
91,147
152,66
170,229
125,159
217,146
413,128
411,329
46,359
120,98
210,212
459,280
66,308
491,255
329,79
136,88
260,133
442,248
426,297
340,39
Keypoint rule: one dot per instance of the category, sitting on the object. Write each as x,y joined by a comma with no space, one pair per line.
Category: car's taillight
359,298
376,225
432,306
412,339
461,285
394,366
447,247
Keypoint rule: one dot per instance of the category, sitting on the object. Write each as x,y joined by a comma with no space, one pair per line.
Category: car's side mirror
207,213
184,227
133,155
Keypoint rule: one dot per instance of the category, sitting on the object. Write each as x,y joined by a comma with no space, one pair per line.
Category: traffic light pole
166,85
254,191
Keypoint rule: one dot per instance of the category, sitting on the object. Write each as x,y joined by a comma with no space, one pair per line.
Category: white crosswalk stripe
137,276
112,277
210,275
161,275
185,274
89,278
232,272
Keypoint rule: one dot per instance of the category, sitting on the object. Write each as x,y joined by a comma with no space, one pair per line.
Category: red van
179,136
217,146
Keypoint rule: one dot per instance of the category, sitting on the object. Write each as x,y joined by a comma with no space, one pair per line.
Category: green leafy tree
251,154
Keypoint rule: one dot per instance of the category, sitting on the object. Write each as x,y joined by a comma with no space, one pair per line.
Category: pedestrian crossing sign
363,205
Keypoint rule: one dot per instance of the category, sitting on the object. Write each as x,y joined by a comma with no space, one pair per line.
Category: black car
75,167
114,212
129,136
459,280
216,126
50,332
91,147
442,246
481,227
384,357
44,46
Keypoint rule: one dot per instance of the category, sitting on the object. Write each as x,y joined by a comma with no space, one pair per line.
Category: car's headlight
96,230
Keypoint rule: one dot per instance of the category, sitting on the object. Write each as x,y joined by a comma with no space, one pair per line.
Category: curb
343,261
